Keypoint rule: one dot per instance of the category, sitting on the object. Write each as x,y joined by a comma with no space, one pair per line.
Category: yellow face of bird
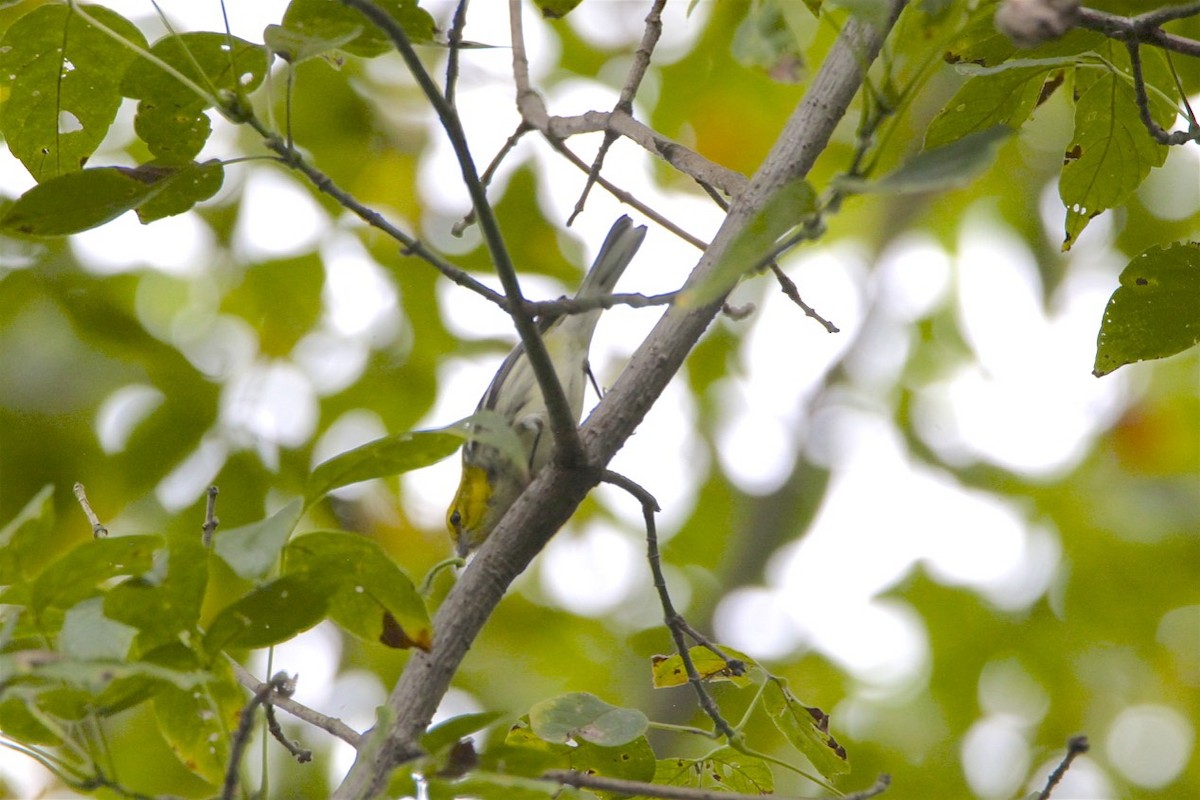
467,516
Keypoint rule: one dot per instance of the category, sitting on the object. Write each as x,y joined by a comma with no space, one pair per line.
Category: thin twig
580,305
1076,746
299,753
454,43
620,786
1160,135
412,246
627,198
281,684
1143,28
637,71
673,619
210,517
563,423
789,288
331,725
509,143
98,530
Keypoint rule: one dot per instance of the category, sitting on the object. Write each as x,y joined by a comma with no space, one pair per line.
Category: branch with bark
552,497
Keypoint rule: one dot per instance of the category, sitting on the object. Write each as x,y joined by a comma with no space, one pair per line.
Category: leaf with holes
1156,311
669,670
725,770
806,727
60,77
1111,152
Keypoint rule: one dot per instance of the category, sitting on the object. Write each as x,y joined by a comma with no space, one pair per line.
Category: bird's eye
456,519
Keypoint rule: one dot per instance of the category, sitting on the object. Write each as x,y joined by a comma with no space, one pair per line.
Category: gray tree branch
552,497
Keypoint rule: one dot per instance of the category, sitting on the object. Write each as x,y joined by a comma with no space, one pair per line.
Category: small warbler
491,482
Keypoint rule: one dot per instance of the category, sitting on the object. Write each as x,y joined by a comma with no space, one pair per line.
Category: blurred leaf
296,47
450,731
252,550
872,12
329,21
197,724
949,166
77,574
669,670
281,299
271,613
23,535
766,41
89,635
59,80
391,455
725,770
165,601
806,727
366,585
583,716
557,9
984,102
785,209
1156,311
21,724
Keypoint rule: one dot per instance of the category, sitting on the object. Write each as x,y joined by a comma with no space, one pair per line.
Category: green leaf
296,47
192,183
806,727
496,786
557,9
89,635
983,102
23,537
81,200
366,583
77,574
252,550
667,671
872,12
60,77
583,716
215,62
451,731
725,770
391,455
1111,152
330,21
20,723
271,613
1156,311
786,209
170,116
166,600
949,166
197,724
632,761
764,40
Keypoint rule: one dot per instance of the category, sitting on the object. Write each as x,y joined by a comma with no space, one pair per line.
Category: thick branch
552,497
